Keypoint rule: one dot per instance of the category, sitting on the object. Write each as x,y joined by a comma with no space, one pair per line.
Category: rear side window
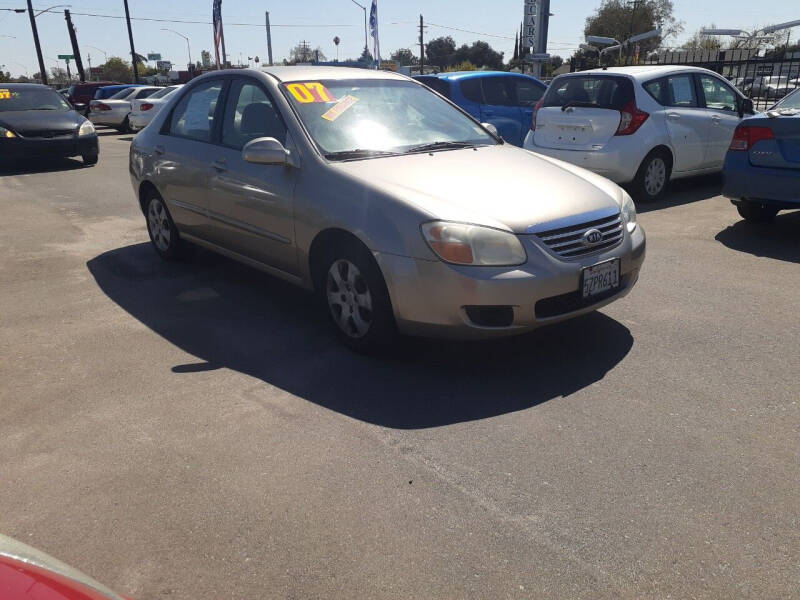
193,117
496,91
656,90
438,85
602,91
471,88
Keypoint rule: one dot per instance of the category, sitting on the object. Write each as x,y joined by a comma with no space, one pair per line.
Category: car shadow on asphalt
39,165
234,317
779,239
685,191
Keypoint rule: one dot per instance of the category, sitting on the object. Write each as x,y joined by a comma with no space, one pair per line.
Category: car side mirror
746,108
492,129
265,151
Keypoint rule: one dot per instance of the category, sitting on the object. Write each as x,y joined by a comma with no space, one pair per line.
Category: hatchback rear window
602,91
436,84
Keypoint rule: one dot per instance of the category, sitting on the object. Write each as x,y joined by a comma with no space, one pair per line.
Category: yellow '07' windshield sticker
5,95
339,109
312,91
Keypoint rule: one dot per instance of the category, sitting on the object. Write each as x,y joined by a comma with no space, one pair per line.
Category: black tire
90,159
756,213
655,169
344,301
161,228
125,127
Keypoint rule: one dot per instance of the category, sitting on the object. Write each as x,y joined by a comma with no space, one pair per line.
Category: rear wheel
163,233
125,127
357,300
756,213
652,178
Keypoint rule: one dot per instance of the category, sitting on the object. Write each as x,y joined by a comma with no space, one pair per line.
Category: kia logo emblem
592,237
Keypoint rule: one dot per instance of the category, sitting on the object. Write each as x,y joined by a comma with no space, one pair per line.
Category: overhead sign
66,57
154,56
163,65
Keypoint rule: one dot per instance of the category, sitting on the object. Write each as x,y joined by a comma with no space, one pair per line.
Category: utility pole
130,38
36,43
269,41
75,50
421,46
69,75
89,60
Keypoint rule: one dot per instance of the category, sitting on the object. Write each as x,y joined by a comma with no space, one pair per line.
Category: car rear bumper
741,180
616,161
48,148
138,121
432,298
107,118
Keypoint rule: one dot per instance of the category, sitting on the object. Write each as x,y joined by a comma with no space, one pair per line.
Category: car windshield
163,92
350,119
31,99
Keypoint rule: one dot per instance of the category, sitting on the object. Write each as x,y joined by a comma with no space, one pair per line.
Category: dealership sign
535,24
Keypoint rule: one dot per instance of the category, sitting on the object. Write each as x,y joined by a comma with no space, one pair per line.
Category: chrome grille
567,242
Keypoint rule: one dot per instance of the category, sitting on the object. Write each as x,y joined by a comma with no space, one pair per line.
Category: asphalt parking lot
192,430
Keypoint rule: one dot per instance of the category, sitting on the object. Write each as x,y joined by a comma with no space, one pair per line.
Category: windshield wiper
357,153
580,103
440,146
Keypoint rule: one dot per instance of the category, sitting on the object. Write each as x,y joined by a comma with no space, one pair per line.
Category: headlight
87,128
6,133
464,244
628,212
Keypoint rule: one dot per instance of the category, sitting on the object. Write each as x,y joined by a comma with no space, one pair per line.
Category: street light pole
188,47
364,8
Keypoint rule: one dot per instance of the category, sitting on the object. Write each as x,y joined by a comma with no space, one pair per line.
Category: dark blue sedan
506,100
762,168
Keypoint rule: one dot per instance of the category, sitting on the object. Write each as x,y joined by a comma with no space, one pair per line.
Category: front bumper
430,298
615,161
62,147
743,181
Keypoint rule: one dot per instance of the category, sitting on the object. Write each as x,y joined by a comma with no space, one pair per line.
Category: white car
639,125
114,111
143,111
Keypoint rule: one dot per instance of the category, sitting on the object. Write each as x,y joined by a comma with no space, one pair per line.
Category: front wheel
90,159
163,233
652,178
756,213
357,299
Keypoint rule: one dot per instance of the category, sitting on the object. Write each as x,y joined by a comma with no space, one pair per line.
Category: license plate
600,278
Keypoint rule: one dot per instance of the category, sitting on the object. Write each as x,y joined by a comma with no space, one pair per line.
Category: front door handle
716,119
673,116
220,165
159,149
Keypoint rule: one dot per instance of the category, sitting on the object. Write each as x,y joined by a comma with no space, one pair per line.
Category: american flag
217,20
373,28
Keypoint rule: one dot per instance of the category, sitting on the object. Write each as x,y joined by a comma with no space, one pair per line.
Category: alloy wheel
655,177
349,299
159,225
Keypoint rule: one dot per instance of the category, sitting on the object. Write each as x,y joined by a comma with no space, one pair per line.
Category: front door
722,110
252,204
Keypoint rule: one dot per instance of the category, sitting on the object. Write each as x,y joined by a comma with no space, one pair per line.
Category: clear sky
319,21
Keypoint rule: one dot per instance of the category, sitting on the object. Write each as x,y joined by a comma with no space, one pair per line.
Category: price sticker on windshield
339,108
306,93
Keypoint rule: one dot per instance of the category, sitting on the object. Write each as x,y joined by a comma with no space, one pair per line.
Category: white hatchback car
143,111
639,125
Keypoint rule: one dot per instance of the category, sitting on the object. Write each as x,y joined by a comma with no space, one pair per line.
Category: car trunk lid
783,151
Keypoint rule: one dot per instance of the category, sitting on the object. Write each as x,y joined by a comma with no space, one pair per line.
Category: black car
37,122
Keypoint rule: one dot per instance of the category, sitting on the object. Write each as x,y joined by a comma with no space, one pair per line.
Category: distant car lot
645,451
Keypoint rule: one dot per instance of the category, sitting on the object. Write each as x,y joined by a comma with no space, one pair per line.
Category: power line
502,37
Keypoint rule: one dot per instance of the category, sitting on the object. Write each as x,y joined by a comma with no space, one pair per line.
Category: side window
717,94
680,92
193,117
496,92
250,114
656,90
527,92
471,88
146,93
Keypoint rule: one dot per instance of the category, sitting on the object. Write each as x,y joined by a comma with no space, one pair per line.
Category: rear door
500,108
687,122
721,105
526,92
582,112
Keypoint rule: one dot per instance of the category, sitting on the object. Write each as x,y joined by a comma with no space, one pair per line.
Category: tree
479,54
439,51
304,53
58,74
404,57
366,57
702,42
117,69
5,77
620,20
462,66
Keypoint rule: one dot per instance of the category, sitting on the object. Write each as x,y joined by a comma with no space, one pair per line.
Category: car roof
23,86
312,72
641,71
123,85
478,74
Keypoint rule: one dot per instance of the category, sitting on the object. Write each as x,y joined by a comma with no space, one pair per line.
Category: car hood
37,121
499,186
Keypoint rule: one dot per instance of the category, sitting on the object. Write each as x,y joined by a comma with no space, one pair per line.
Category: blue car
506,100
109,90
761,175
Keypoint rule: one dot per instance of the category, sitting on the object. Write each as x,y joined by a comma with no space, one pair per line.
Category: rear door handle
716,119
220,165
159,149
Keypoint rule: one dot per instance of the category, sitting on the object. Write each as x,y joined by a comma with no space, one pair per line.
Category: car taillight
145,106
630,119
746,136
535,112
101,106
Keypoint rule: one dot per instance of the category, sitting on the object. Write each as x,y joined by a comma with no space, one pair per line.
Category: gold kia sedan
398,208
